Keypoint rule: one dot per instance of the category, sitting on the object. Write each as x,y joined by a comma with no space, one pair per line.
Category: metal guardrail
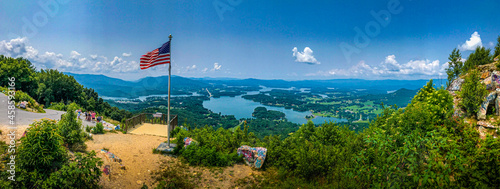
149,118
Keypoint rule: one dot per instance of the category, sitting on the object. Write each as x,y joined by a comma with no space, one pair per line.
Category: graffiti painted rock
253,156
489,84
481,115
456,85
485,75
485,124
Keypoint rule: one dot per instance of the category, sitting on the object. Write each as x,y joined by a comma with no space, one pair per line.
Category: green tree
423,93
71,129
472,93
480,56
61,87
454,65
497,48
21,69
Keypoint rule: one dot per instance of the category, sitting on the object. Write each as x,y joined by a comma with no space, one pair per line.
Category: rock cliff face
490,77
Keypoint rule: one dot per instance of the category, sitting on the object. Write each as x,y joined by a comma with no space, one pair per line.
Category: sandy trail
135,151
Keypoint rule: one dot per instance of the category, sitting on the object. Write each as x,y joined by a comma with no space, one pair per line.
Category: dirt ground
139,163
6,130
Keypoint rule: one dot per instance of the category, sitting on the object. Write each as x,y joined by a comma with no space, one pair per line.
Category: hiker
93,116
99,119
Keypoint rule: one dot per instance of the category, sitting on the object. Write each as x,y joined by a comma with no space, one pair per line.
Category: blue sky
291,40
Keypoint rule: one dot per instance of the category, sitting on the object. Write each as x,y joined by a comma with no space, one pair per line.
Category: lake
243,108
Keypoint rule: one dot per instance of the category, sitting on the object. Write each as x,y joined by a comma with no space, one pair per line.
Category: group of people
90,116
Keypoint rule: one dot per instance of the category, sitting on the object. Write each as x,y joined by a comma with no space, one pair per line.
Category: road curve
24,117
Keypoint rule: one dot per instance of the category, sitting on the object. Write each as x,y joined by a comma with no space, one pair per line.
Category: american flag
156,57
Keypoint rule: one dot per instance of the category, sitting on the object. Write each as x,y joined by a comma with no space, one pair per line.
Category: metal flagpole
169,73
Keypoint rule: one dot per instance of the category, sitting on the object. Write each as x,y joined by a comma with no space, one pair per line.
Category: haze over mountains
113,87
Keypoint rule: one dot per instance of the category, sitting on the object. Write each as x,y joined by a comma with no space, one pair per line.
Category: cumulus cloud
14,47
388,68
472,43
74,55
491,44
305,57
217,66
127,54
74,62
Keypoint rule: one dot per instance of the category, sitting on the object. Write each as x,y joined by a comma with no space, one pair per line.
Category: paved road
26,118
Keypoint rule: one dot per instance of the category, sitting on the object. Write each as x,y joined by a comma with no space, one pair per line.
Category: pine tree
480,56
497,48
473,92
455,65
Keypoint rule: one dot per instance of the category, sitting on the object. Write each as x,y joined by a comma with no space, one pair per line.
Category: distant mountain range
113,87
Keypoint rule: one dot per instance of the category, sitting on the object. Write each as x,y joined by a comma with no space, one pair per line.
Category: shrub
71,129
43,162
42,150
98,129
172,175
82,172
201,155
58,106
213,147
472,93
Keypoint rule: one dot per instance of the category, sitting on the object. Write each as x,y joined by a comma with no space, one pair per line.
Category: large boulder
253,156
490,99
456,85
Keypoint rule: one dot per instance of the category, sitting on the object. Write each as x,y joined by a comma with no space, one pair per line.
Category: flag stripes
156,57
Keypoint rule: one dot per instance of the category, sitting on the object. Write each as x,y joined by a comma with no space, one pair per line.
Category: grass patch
109,120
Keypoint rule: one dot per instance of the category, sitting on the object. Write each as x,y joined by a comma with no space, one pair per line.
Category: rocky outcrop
491,79
456,85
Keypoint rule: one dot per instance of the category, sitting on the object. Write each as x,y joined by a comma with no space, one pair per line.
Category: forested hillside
51,86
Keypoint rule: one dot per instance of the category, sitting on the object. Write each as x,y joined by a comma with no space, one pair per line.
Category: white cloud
305,57
14,47
74,62
127,54
472,43
189,68
74,55
204,70
217,66
491,44
388,68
